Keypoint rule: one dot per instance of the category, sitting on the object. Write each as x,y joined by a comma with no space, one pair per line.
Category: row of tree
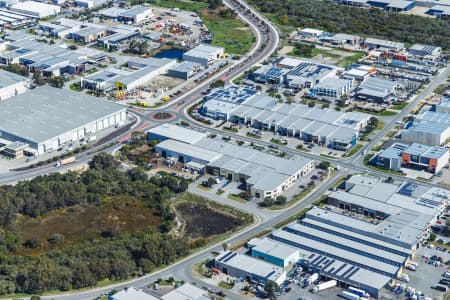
338,18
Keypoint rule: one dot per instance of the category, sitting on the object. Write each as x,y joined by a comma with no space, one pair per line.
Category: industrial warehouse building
139,72
264,175
363,238
184,70
135,15
376,89
378,44
36,9
242,266
332,87
427,52
204,54
334,129
415,156
12,84
46,117
431,128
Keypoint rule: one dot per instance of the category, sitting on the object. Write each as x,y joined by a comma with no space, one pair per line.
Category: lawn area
348,60
380,125
229,32
400,106
354,150
225,285
384,113
367,163
440,89
195,6
236,198
391,133
202,187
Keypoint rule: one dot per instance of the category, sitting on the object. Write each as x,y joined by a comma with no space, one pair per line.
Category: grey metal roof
178,133
189,150
8,78
249,264
348,243
283,235
134,11
45,112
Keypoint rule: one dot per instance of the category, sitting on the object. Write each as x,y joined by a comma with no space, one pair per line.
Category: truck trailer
348,296
323,286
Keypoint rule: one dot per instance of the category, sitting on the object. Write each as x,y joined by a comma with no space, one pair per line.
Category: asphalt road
267,41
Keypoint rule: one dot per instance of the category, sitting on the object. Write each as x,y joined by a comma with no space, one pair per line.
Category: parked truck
348,296
358,292
323,286
92,138
312,278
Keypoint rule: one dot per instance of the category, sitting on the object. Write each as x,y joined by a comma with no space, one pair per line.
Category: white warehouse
46,117
12,84
36,9
204,54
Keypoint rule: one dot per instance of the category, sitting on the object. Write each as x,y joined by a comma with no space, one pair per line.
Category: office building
55,116
275,253
89,3
423,157
310,32
393,5
332,87
12,84
391,158
204,54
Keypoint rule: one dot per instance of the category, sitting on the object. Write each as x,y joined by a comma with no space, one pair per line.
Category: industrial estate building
376,89
50,59
185,292
245,106
12,84
415,156
204,54
139,71
135,15
430,128
36,9
363,237
378,44
262,174
46,117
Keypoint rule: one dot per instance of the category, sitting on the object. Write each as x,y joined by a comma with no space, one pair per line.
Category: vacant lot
79,223
204,219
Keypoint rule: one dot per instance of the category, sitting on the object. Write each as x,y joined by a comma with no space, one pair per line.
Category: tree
217,84
280,200
104,161
57,82
271,288
38,79
324,165
432,237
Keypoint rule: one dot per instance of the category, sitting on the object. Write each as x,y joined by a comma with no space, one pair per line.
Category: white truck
312,278
92,138
404,277
323,286
348,296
